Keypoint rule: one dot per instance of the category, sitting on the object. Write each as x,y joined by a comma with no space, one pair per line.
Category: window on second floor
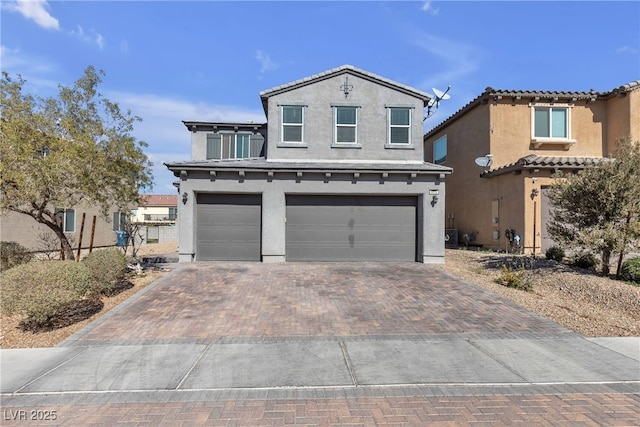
228,146
68,219
551,122
292,123
399,125
440,150
173,213
346,125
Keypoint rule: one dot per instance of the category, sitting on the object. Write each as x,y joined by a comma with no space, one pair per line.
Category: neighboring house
336,174
36,237
529,135
157,216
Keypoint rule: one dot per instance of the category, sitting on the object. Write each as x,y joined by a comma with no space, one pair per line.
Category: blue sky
170,61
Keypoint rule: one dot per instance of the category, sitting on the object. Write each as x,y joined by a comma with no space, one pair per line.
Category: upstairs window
440,150
346,124
551,122
399,125
228,146
292,123
173,213
68,219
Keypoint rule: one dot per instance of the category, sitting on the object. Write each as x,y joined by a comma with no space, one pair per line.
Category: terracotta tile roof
533,161
160,200
491,94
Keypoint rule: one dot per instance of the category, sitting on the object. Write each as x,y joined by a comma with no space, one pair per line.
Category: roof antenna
434,103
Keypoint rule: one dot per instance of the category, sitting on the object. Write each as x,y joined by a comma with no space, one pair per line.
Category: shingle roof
533,161
160,200
341,70
535,95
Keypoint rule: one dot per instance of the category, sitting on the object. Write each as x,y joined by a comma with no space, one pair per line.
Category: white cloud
91,37
35,10
428,7
266,64
459,59
627,50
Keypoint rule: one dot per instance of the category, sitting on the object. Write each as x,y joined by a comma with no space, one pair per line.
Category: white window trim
403,145
336,143
282,142
538,141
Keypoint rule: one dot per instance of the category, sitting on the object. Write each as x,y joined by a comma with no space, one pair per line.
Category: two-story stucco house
529,136
336,174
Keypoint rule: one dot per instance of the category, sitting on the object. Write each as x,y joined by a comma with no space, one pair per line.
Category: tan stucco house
36,237
528,136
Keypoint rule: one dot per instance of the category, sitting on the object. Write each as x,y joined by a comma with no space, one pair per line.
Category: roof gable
344,69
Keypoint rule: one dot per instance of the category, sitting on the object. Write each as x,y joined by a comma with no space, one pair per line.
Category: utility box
450,238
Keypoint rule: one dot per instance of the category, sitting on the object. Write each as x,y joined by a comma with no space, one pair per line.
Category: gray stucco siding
320,99
274,190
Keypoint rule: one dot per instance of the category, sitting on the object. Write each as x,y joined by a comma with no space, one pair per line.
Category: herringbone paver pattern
288,300
529,410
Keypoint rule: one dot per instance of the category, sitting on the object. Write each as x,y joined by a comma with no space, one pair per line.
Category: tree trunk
606,258
64,242
47,218
624,245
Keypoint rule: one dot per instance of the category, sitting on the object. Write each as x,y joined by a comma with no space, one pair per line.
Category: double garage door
318,228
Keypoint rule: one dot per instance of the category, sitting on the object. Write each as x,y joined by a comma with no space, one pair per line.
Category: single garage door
351,228
228,227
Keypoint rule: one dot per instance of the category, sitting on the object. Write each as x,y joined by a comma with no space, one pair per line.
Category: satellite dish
484,161
440,94
435,102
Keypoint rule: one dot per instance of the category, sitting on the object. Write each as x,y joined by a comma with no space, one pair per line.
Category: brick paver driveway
216,301
215,304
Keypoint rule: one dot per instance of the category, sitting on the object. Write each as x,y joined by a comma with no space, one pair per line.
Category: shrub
555,253
41,289
12,254
516,279
584,260
631,270
107,268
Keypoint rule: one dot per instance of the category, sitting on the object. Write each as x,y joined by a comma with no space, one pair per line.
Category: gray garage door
228,227
351,228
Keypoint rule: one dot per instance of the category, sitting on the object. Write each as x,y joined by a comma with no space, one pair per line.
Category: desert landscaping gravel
580,300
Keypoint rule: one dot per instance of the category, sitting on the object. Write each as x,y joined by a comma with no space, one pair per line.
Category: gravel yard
579,300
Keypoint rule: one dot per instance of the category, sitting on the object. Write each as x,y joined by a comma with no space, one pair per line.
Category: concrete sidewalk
342,363
411,345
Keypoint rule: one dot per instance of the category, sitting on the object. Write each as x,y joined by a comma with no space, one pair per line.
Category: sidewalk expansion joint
347,361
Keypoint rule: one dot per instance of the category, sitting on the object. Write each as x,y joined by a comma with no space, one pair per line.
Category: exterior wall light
185,197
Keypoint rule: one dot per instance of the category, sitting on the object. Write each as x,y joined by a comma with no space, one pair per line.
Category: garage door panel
228,227
351,228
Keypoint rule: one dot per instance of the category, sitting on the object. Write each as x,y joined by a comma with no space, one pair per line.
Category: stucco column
186,223
273,225
432,206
